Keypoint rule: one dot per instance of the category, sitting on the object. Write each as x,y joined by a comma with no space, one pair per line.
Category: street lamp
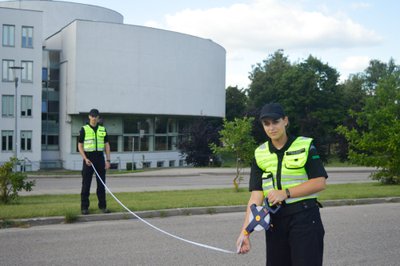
15,70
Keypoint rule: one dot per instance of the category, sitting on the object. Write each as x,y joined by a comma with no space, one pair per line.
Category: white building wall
57,14
33,19
120,69
144,70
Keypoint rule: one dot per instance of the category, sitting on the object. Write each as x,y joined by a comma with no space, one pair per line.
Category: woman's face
275,128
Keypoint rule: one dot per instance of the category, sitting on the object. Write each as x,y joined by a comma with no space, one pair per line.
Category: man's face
93,119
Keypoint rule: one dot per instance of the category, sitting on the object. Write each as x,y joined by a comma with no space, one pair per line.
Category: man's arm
82,152
108,155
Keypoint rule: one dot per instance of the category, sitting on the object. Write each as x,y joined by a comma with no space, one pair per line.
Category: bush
11,182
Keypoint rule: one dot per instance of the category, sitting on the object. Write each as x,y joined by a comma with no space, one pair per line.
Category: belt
292,208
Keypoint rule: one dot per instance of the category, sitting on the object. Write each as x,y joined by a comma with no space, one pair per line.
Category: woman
287,171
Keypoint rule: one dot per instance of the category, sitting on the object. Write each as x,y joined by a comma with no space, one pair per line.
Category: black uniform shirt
314,166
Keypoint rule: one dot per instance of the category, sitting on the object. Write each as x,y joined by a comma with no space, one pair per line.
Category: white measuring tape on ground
155,227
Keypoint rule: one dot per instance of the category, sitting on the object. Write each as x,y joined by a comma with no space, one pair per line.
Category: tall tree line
315,100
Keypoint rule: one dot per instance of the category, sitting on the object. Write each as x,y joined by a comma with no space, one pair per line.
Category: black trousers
296,239
87,176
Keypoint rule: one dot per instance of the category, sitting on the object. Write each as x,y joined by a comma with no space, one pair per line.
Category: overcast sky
345,34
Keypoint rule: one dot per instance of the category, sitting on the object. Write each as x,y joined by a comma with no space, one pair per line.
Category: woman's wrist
287,193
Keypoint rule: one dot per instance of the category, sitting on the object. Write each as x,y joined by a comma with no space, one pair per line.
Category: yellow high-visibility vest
292,169
94,141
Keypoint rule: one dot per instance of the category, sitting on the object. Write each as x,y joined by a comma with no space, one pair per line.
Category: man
93,141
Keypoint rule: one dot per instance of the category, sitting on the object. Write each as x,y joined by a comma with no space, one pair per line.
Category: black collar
289,142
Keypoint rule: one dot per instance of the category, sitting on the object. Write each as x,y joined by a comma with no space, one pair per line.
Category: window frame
27,71
7,106
27,39
9,138
26,105
7,73
26,140
8,37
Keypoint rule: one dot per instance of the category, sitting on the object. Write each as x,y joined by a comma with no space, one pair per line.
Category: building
147,83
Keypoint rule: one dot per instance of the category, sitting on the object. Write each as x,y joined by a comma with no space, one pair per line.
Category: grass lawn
69,205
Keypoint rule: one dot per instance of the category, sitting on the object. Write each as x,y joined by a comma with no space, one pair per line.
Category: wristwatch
287,193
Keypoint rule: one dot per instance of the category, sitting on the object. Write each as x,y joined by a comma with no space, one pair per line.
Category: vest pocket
267,181
294,161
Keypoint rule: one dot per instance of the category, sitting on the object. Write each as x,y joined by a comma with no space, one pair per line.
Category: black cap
272,110
94,112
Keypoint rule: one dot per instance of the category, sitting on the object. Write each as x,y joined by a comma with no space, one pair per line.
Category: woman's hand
243,243
276,196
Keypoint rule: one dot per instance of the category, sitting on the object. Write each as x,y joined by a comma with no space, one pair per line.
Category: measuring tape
155,227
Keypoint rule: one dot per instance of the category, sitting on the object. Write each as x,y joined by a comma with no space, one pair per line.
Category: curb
25,223
202,171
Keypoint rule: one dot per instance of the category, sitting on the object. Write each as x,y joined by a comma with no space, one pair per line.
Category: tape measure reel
262,219
259,219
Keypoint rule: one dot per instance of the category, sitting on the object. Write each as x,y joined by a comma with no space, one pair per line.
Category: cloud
354,64
260,25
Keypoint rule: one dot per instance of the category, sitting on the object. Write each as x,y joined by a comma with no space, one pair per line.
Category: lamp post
15,70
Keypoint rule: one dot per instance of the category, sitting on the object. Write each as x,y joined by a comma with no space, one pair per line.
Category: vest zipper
279,171
95,138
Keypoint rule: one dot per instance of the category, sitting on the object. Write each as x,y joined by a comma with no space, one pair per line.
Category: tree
308,90
12,182
236,138
376,71
375,142
354,97
195,147
235,103
266,78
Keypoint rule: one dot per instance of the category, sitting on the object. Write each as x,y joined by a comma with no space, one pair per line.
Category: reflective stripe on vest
292,173
94,141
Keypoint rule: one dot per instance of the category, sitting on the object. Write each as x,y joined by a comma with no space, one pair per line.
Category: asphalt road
174,179
366,235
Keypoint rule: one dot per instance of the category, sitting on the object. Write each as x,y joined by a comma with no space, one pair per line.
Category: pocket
295,160
101,134
267,180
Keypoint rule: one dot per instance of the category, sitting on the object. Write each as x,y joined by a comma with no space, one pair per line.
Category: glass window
7,105
27,37
113,140
50,142
128,141
8,35
161,143
161,124
7,140
26,140
135,125
7,72
27,71
172,126
172,143
144,143
26,106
